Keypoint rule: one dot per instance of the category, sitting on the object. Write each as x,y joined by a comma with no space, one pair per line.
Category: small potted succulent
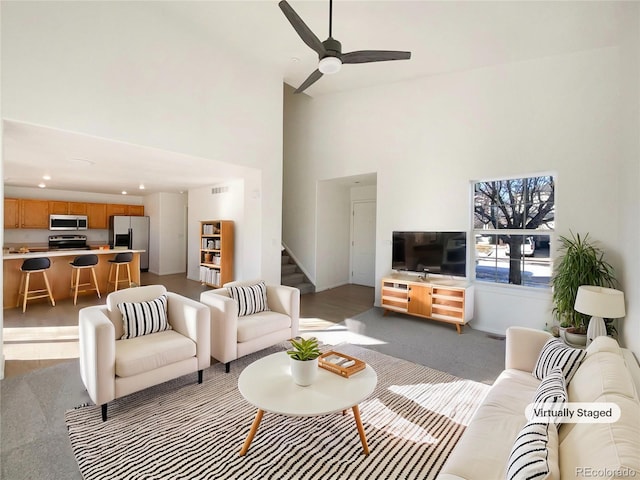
304,360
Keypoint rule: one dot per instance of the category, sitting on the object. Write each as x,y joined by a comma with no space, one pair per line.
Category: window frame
536,233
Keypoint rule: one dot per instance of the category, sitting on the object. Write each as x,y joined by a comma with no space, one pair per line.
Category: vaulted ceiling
443,36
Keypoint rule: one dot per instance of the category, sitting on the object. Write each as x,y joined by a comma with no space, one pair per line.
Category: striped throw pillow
251,298
555,353
143,318
534,454
552,390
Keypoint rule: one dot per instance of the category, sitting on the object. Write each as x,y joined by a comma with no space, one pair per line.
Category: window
513,220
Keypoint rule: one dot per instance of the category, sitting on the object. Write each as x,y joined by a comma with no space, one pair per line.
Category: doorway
363,243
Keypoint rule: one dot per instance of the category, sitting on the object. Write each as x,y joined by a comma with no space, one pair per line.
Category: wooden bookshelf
216,252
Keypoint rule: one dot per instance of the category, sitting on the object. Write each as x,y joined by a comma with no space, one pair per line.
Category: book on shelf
208,229
209,275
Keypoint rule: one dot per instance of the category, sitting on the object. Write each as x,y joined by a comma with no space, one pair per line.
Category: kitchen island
59,274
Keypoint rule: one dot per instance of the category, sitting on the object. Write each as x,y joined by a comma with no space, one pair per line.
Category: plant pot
305,372
573,338
561,332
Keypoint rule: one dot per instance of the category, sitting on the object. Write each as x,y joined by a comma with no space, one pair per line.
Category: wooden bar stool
29,266
120,259
83,262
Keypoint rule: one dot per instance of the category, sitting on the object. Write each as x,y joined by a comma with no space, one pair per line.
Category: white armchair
233,337
112,368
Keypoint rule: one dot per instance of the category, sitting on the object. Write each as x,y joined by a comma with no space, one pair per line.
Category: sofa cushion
261,324
599,374
604,450
143,318
483,450
555,353
149,352
534,454
251,298
603,344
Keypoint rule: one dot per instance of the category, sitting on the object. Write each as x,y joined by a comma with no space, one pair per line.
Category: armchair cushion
261,324
144,318
251,298
150,352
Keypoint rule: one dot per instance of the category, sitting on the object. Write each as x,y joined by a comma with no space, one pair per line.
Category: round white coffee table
268,385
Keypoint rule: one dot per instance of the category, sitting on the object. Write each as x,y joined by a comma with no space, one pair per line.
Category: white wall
167,232
427,139
629,178
333,208
135,72
241,204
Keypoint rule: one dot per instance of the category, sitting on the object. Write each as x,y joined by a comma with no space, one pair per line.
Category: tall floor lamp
600,303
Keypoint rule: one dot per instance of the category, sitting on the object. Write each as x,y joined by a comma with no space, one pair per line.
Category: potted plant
581,263
304,360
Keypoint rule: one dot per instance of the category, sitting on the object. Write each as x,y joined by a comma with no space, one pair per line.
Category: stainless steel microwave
68,222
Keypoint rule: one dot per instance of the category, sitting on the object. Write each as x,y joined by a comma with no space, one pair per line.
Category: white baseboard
2,366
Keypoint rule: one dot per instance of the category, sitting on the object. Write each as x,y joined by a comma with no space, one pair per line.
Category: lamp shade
600,302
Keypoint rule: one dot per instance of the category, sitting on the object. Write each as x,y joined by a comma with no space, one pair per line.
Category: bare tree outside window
515,213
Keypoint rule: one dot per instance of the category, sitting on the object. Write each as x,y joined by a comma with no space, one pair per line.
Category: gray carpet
474,354
34,439
181,429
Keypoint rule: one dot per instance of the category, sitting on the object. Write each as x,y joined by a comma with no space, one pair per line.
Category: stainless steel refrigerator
133,233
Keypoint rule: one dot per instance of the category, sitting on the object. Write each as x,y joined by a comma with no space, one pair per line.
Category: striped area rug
182,430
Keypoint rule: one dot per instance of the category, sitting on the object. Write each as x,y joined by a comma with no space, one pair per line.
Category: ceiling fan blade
311,79
366,56
304,32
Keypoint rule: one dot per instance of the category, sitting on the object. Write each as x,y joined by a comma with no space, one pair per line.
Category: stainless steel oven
68,222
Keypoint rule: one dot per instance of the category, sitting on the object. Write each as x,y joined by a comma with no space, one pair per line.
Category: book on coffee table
340,363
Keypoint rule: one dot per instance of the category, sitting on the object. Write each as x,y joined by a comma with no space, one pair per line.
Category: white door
363,243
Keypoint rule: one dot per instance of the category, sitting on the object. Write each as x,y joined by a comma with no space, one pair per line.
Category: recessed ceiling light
141,187
124,192
46,177
41,185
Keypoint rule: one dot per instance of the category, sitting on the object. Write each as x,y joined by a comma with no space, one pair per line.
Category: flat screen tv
443,253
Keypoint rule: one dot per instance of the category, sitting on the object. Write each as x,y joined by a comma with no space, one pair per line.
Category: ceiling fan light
330,65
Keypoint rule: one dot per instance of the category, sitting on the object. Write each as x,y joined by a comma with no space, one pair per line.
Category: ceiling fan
330,51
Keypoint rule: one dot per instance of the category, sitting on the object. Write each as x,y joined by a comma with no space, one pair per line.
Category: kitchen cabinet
11,213
116,209
135,210
130,210
97,215
57,207
77,208
34,214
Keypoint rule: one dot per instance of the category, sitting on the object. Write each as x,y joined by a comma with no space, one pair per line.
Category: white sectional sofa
586,450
